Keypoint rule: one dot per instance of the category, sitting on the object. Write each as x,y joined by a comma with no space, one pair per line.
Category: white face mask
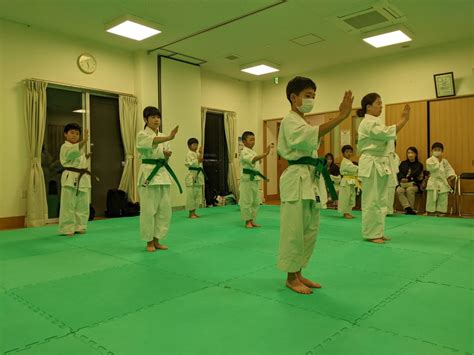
307,105
437,153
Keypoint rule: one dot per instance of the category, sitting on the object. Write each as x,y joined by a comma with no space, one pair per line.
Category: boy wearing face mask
154,180
250,179
439,183
298,142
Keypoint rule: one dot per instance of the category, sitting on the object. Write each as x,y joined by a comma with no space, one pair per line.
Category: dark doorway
216,161
63,107
106,147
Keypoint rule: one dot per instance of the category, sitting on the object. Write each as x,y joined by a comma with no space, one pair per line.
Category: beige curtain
128,111
203,137
203,125
35,120
231,138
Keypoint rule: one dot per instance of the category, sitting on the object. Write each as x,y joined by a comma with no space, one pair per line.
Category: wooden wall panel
415,132
452,123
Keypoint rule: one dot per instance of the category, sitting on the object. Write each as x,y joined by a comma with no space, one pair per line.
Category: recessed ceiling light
387,39
259,69
133,30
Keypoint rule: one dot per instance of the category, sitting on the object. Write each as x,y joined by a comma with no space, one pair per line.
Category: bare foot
376,240
193,216
196,215
386,238
69,234
248,224
255,224
348,216
308,283
159,246
297,286
81,232
150,247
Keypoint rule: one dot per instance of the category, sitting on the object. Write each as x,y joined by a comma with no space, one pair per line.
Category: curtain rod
81,87
215,110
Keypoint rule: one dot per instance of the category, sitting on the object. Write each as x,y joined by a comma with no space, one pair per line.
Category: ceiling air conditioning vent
368,19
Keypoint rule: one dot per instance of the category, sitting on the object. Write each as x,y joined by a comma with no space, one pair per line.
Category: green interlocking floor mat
217,289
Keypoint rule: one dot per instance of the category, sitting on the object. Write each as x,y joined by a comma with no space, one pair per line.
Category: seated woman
410,176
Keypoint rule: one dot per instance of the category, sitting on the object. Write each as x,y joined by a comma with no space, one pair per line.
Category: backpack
117,203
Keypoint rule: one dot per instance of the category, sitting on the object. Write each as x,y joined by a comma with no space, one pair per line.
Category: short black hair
298,84
192,141
72,127
151,111
346,147
247,134
437,145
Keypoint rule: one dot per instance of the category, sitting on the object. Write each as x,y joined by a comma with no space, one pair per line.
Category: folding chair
461,193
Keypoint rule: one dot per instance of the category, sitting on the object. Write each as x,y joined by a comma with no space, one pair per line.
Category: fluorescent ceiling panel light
259,69
80,111
387,39
133,30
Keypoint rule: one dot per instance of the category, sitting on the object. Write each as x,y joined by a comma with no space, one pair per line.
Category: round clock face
87,63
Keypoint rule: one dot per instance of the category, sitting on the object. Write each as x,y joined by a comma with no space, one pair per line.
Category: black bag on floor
133,209
117,203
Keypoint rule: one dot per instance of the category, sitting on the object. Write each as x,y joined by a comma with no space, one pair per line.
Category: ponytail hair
368,99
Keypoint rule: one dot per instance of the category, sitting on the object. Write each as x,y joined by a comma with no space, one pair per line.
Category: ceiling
211,29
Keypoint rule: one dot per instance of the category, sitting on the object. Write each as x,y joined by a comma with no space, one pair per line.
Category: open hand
85,135
269,148
173,132
406,112
345,107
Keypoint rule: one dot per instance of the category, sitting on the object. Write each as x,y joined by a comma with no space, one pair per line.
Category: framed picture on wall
444,84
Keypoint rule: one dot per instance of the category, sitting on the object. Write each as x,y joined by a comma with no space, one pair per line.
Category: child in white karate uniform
374,165
195,177
75,182
250,179
394,161
154,180
298,142
350,185
441,177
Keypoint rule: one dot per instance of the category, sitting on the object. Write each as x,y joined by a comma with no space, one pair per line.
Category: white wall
181,105
407,76
31,53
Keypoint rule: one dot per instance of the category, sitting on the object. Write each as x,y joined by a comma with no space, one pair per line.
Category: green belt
254,173
199,170
159,163
320,165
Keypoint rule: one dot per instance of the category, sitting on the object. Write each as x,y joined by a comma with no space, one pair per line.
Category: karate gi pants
74,210
155,212
193,197
347,198
249,199
374,204
299,226
436,201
